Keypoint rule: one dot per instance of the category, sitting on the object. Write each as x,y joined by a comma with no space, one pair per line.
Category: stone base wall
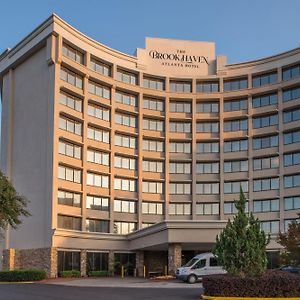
155,261
40,258
139,263
174,258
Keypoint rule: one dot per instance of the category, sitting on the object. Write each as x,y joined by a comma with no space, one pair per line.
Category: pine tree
241,246
12,205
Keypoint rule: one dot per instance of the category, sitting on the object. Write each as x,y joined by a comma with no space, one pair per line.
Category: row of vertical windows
100,67
97,203
180,87
264,79
265,142
125,206
152,187
93,225
207,188
208,147
229,207
70,101
236,145
99,90
69,198
71,77
153,104
151,124
235,186
291,72
266,205
207,107
125,141
291,159
270,226
124,227
98,134
236,166
180,168
180,188
152,145
291,181
153,166
235,105
179,209
126,120
97,180
235,125
266,184
183,127
69,149
98,157
127,77
291,115
211,127
264,100
70,125
125,98
98,112
124,184
180,147
68,222
235,84
125,163
291,94
291,137
152,208
180,107
69,174
265,163
265,121
208,87
207,208
154,83
72,53
207,168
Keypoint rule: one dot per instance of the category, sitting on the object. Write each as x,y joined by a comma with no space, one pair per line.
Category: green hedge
98,273
68,274
22,275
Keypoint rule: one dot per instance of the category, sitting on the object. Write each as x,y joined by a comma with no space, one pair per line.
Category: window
125,162
229,208
208,87
180,147
183,127
291,137
208,147
208,188
146,225
291,72
180,107
68,222
99,90
69,149
72,53
154,83
265,142
235,125
236,166
98,157
97,225
153,104
265,163
68,260
69,174
269,205
125,206
210,127
231,187
153,166
151,124
180,188
265,184
125,141
70,125
152,208
97,180
207,168
125,98
207,208
235,84
264,79
98,134
124,184
291,94
235,105
292,203
98,112
70,101
235,145
100,67
271,227
179,209
124,227
97,203
291,180
152,145
126,120
69,198
207,107
265,121
291,159
287,223
291,115
71,77
179,168
127,77
264,100
97,261
180,87
152,187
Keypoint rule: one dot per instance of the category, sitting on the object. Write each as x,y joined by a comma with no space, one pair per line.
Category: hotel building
137,160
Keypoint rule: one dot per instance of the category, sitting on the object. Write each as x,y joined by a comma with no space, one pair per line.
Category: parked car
199,266
291,269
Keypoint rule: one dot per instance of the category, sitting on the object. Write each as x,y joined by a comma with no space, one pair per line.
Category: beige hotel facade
136,160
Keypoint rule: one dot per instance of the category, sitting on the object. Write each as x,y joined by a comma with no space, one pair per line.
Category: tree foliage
241,246
291,243
12,205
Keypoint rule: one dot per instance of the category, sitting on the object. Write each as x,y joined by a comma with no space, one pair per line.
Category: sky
242,29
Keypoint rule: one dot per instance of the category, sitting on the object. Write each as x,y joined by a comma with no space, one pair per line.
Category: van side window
213,262
200,264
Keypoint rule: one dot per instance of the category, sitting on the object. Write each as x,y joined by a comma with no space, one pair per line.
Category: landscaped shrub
70,274
273,283
98,273
22,275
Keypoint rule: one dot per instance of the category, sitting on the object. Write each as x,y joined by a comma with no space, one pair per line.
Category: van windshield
191,262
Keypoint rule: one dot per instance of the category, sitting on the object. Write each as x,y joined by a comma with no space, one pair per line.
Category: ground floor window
68,261
273,259
127,260
97,261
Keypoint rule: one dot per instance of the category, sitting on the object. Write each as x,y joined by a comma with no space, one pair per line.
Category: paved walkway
123,283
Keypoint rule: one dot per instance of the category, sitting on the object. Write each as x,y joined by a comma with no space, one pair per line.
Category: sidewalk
128,282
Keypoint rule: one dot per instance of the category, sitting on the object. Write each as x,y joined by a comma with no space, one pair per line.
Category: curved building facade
137,160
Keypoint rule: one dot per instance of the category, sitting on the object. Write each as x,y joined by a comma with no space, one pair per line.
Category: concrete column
83,258
174,258
53,263
139,263
9,259
111,263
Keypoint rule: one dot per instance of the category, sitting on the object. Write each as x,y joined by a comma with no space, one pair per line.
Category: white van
199,266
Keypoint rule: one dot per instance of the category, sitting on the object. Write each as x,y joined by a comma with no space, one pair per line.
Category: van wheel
192,279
